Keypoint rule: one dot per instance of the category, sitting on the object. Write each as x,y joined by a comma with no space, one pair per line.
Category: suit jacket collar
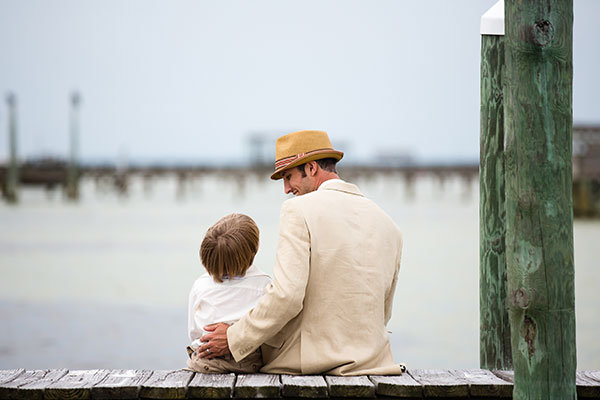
341,186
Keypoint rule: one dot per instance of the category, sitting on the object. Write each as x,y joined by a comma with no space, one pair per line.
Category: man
335,274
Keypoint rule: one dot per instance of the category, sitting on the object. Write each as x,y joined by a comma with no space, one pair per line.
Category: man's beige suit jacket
335,273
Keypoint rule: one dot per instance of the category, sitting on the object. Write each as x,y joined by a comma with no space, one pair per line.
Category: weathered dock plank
440,383
508,376
121,384
74,385
588,384
483,383
10,374
310,386
257,385
350,386
166,384
211,386
30,384
179,384
403,386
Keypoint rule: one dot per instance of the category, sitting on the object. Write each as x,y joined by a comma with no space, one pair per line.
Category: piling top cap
492,22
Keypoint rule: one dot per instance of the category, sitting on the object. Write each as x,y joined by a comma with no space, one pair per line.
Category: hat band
288,160
284,162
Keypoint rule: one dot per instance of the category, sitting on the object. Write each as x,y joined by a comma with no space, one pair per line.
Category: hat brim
316,155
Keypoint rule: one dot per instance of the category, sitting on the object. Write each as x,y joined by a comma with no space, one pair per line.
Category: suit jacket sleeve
283,299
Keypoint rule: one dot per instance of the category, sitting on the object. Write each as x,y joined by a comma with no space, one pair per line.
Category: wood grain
440,383
403,386
538,118
588,384
508,376
74,385
311,386
121,384
165,384
483,383
257,385
350,386
105,384
211,386
8,375
494,327
30,384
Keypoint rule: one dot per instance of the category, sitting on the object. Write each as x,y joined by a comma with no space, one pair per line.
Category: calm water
103,283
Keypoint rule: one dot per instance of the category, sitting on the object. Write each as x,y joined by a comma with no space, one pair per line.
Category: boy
230,288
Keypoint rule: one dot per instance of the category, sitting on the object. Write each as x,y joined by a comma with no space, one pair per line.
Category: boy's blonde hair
229,246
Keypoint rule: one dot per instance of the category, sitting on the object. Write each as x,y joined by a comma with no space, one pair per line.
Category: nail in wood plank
121,384
350,386
313,386
211,386
482,383
74,385
166,384
403,386
588,384
440,383
30,384
257,385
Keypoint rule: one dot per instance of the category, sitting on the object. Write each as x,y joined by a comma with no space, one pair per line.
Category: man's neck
326,177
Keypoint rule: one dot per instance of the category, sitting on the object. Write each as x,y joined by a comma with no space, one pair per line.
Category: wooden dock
183,384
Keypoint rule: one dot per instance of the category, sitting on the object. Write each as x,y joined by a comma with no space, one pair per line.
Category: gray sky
189,80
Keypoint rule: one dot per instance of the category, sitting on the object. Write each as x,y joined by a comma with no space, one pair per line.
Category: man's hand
216,341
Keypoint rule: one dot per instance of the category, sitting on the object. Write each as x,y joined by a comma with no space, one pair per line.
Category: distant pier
52,174
55,173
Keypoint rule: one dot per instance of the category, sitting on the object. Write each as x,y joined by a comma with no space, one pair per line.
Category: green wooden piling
72,184
494,331
538,174
12,171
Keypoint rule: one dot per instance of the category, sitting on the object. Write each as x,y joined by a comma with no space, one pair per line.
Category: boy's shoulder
203,280
256,274
253,274
254,279
204,277
255,271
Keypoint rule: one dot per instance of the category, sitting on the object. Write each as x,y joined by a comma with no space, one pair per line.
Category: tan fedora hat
301,147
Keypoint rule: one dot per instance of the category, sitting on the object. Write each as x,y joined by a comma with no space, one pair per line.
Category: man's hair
328,164
229,246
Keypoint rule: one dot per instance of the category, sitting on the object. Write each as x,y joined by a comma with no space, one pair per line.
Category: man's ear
312,167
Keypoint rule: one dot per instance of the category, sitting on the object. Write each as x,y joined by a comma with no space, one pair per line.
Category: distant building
586,170
586,152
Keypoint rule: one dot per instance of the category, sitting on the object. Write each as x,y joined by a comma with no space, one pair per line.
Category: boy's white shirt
211,302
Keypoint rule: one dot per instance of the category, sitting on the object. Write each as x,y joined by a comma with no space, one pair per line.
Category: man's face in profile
297,183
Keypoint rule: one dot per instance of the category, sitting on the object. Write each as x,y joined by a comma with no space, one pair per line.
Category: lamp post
72,187
12,170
